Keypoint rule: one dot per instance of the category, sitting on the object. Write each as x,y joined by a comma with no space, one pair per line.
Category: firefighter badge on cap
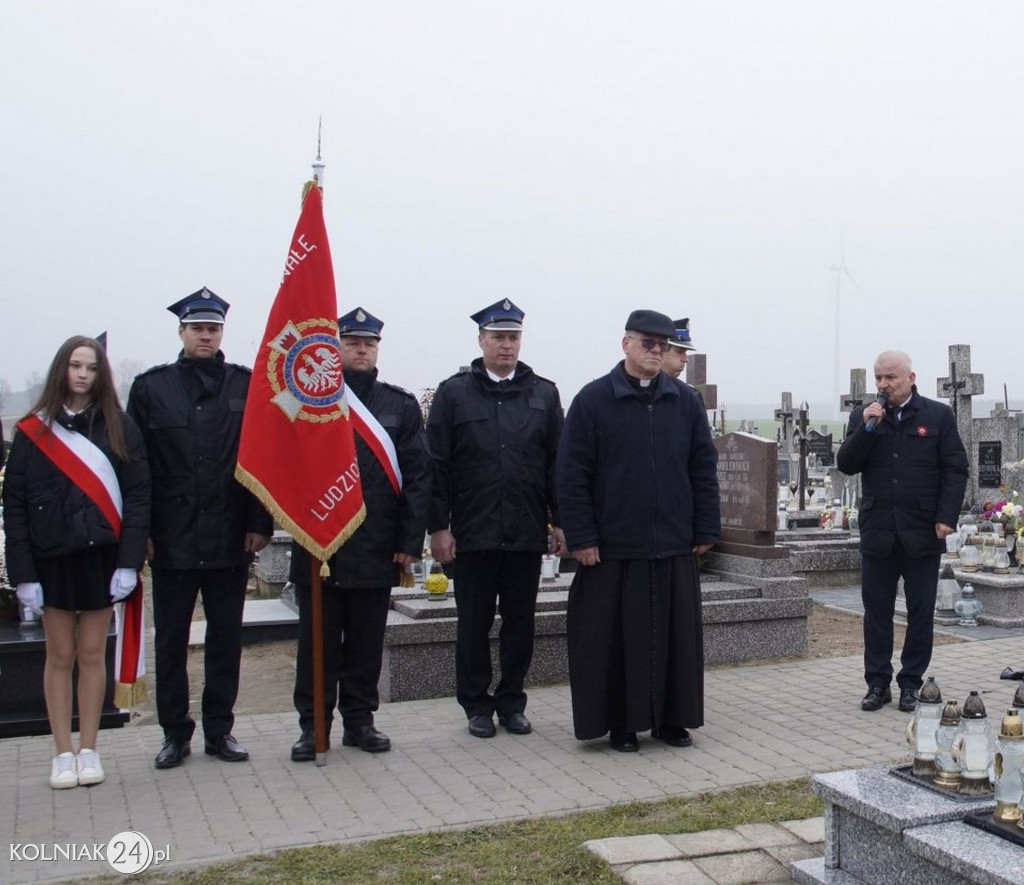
305,372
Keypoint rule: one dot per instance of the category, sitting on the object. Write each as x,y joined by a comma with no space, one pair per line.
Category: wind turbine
840,270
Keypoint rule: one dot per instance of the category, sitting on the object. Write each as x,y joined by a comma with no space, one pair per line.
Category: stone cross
785,416
697,376
858,395
959,387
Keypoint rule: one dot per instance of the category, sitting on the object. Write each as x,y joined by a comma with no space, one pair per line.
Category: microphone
881,399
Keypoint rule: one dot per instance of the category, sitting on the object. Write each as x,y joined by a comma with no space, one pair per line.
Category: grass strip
536,851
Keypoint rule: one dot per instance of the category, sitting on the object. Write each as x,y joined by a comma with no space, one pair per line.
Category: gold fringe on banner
128,695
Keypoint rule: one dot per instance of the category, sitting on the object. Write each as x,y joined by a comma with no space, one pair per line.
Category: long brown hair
104,394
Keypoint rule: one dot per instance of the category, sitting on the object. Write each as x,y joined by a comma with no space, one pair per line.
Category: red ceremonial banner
297,452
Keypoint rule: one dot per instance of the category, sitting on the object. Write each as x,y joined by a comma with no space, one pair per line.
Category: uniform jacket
190,415
638,481
494,448
47,516
914,475
393,524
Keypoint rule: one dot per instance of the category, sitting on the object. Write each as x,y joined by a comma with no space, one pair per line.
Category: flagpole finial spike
318,163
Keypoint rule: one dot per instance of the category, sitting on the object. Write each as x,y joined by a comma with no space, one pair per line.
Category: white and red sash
85,464
81,461
372,432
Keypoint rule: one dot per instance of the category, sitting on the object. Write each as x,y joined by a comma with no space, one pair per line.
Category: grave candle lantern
948,591
968,607
947,770
1007,768
973,748
922,728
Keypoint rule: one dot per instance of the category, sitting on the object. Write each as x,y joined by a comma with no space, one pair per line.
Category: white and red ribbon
372,432
86,465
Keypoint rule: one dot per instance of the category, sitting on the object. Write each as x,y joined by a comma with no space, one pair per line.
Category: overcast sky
710,159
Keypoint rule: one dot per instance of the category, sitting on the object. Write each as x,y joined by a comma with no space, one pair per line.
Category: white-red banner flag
297,452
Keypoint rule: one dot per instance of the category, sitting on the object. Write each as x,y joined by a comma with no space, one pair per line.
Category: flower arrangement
1009,512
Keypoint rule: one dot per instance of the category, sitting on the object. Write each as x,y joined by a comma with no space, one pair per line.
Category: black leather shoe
516,723
624,741
227,748
876,696
673,736
173,753
908,699
366,737
304,749
481,726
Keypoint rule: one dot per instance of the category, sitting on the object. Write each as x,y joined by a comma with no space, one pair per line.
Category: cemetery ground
268,668
540,849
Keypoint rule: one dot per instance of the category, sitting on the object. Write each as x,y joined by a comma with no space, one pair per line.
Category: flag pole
317,605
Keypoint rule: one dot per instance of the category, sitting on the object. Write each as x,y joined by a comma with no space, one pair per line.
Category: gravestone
820,445
997,447
272,565
749,494
958,387
22,658
1013,479
990,464
697,376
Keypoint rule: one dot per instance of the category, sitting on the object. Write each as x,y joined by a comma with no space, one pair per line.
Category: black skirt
79,581
636,646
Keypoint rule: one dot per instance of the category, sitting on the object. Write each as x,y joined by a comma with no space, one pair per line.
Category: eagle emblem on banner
305,372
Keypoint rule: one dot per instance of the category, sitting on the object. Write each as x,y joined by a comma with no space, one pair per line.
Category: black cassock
636,646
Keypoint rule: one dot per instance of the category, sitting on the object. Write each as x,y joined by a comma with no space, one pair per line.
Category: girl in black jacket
76,518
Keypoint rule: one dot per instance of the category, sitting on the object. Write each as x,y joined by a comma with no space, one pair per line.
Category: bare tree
5,393
33,386
124,374
426,400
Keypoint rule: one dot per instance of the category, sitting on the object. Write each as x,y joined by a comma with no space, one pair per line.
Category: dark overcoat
190,415
638,481
913,475
493,448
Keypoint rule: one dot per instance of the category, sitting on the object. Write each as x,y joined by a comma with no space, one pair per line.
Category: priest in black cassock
637,488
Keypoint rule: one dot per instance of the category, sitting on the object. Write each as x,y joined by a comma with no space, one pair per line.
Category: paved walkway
764,722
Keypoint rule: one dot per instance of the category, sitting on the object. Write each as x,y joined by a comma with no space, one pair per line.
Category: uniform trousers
174,601
484,582
879,580
354,621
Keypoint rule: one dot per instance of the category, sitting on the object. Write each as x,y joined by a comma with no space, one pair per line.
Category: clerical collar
497,379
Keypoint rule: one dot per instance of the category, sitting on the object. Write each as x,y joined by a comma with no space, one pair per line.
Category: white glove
31,595
122,582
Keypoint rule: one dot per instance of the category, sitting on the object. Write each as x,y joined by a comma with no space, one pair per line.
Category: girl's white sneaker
90,771
64,771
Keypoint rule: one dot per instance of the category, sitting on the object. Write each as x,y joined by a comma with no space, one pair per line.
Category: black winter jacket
638,480
393,524
914,475
47,516
494,449
190,415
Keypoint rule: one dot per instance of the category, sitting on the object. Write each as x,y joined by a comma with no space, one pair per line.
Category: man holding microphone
914,474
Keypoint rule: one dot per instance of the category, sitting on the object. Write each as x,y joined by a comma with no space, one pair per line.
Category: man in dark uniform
914,474
493,434
205,526
395,479
638,492
678,353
